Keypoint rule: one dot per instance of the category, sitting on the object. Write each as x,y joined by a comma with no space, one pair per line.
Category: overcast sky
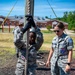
41,7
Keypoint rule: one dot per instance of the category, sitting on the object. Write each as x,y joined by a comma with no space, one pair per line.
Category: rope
9,13
52,9
54,12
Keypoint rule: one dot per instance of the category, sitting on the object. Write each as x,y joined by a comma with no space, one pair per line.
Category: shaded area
9,67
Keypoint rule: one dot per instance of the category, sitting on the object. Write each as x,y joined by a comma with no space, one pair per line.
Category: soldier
39,36
61,52
32,50
16,31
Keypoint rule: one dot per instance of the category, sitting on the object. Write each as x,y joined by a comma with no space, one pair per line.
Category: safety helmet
32,29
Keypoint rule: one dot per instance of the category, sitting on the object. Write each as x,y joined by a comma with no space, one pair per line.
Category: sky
41,7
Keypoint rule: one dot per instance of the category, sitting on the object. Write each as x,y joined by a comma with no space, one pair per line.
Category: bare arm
49,57
68,67
70,56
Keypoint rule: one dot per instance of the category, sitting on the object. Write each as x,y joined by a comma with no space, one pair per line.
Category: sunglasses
56,31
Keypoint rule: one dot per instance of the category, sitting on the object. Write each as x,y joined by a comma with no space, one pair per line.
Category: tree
65,16
73,29
48,27
46,17
69,17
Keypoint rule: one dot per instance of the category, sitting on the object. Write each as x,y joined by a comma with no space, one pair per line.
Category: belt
63,56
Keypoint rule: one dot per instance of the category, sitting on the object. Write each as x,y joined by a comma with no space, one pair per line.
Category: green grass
6,43
6,30
7,47
48,36
46,31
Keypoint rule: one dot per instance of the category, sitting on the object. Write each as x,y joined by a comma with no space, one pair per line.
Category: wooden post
29,9
9,27
2,27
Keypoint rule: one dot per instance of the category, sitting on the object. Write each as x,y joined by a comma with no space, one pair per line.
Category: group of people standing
60,55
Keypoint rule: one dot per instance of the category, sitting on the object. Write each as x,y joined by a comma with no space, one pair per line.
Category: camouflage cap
21,24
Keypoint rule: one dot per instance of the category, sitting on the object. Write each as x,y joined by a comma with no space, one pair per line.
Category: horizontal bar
48,69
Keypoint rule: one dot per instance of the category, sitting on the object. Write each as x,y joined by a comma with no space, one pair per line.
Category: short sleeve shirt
61,46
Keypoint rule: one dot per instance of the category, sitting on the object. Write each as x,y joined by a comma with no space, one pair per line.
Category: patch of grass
7,46
6,40
46,31
48,40
6,30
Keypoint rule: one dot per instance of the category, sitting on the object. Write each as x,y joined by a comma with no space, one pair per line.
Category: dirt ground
9,68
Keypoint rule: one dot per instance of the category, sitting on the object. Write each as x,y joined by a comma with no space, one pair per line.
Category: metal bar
29,9
45,69
48,69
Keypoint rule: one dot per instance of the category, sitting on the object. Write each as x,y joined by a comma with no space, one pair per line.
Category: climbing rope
52,8
9,12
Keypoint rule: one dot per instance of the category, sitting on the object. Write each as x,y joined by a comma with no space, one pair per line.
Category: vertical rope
8,14
52,9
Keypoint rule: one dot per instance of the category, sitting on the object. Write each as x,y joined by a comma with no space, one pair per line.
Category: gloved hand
29,18
26,27
17,55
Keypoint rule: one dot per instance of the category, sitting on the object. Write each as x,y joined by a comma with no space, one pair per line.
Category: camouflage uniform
32,52
59,60
39,37
16,31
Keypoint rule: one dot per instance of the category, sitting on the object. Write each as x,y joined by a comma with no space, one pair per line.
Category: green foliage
45,31
69,17
73,29
46,17
0,28
48,27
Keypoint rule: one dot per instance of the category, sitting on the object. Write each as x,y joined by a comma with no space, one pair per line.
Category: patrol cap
21,23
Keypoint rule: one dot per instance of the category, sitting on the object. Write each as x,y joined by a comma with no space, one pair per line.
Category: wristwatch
68,64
